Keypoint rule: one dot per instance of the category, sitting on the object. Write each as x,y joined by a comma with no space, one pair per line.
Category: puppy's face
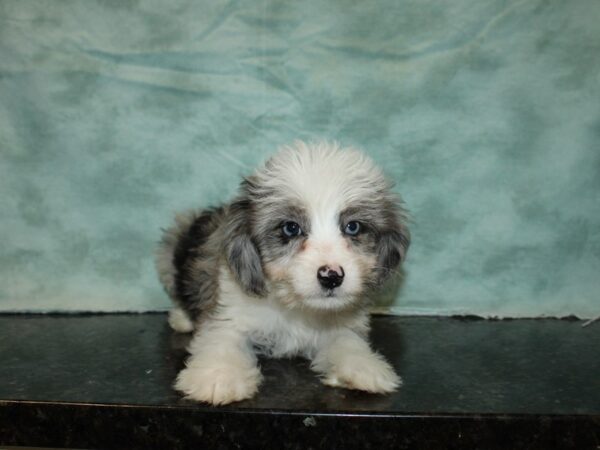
325,225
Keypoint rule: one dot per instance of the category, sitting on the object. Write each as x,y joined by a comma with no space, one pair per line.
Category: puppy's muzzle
330,277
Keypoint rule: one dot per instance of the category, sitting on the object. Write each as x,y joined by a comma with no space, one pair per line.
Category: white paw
218,385
370,373
180,321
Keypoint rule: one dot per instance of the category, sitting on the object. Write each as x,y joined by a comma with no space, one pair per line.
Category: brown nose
330,277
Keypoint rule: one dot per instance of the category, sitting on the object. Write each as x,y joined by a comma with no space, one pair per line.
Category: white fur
180,321
222,366
347,361
323,174
295,318
324,179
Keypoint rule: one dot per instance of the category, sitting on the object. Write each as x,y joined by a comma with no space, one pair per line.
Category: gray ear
391,249
241,252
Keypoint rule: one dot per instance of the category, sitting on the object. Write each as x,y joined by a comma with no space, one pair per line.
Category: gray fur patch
384,233
187,261
244,260
271,240
241,252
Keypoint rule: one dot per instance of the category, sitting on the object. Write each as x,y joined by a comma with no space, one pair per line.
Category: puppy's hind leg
180,321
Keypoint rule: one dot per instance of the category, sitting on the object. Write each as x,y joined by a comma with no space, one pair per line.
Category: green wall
116,114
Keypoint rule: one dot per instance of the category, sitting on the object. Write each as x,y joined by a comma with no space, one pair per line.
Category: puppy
284,270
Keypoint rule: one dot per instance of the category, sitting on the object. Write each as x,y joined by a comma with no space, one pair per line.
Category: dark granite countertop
104,381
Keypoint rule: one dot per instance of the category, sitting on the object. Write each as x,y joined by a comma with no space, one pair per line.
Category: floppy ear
391,249
241,252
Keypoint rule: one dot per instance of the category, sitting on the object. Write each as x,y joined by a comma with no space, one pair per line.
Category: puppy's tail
165,253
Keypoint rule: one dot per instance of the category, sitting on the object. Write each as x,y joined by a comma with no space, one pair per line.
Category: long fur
242,285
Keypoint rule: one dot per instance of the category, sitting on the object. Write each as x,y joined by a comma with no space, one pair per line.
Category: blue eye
291,229
352,228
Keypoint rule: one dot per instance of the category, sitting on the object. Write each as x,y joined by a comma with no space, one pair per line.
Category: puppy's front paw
218,385
370,373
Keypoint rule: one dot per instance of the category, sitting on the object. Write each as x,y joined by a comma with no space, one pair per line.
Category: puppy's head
317,224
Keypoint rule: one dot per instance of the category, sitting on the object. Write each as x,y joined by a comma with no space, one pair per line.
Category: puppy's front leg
221,369
346,360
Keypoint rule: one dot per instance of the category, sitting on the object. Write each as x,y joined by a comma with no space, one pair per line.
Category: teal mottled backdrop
116,114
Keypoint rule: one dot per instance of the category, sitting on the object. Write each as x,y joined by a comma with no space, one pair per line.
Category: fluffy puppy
285,270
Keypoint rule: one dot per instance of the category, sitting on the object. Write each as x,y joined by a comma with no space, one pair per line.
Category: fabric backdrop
116,114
